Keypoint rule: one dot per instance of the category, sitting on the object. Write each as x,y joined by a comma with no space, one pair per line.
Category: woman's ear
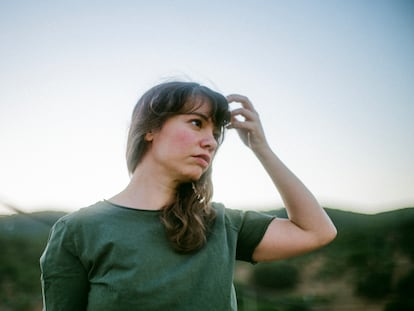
149,136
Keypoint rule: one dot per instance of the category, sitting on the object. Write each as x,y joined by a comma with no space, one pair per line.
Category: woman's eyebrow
206,118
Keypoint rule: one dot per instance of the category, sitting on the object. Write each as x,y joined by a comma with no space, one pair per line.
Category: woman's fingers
246,103
247,115
246,121
247,111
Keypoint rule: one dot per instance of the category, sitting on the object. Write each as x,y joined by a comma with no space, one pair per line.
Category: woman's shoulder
232,217
85,215
223,211
237,217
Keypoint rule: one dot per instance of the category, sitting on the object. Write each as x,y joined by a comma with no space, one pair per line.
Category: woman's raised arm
308,226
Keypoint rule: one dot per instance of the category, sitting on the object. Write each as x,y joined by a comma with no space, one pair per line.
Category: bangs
174,98
166,100
219,107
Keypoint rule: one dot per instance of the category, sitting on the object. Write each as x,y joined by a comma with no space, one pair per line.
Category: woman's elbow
328,235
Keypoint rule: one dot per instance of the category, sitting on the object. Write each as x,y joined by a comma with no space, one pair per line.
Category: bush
403,300
406,237
284,304
373,264
20,273
276,275
400,305
405,287
374,284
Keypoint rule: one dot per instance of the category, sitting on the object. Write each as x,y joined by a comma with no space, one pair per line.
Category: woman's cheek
186,137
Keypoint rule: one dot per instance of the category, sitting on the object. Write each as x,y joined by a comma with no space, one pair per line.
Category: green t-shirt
108,257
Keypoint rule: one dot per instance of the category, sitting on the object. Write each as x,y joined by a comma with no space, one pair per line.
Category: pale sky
333,82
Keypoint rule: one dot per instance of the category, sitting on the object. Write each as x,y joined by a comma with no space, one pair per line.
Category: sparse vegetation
371,261
277,275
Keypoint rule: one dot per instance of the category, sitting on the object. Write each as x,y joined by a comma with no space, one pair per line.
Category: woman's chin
192,175
195,177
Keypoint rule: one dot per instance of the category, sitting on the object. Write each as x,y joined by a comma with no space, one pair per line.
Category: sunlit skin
308,226
183,149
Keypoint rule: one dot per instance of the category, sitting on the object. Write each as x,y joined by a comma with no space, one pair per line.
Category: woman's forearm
302,207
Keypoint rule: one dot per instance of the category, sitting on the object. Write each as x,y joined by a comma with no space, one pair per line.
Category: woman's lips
203,159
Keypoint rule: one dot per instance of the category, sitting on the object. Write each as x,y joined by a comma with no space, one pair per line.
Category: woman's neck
146,191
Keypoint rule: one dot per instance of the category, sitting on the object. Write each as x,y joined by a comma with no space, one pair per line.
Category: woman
161,244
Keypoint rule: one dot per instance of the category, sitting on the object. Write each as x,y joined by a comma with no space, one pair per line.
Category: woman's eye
197,122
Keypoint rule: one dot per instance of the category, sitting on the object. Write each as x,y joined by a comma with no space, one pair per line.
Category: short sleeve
253,227
64,279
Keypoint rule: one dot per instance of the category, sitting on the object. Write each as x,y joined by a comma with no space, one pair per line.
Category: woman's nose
209,142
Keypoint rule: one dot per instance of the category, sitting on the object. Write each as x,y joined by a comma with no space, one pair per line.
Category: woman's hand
308,226
250,128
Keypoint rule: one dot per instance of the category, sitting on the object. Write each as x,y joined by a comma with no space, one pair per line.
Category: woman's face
184,147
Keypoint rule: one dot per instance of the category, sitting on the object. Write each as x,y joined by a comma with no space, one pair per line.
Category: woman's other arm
64,279
308,226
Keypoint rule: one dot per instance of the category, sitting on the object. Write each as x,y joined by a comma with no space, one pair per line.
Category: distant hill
28,225
369,267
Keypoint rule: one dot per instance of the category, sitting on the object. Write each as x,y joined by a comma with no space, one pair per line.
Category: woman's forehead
212,109
200,104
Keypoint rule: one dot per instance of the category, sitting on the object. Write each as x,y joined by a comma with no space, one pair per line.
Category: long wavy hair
188,219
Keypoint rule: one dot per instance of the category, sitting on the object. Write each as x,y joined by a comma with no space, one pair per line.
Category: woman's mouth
203,159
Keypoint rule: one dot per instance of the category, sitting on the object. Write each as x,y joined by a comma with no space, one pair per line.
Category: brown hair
189,217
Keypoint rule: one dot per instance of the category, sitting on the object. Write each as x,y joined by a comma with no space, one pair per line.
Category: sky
332,82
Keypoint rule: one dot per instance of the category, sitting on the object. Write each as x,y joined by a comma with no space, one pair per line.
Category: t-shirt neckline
130,208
